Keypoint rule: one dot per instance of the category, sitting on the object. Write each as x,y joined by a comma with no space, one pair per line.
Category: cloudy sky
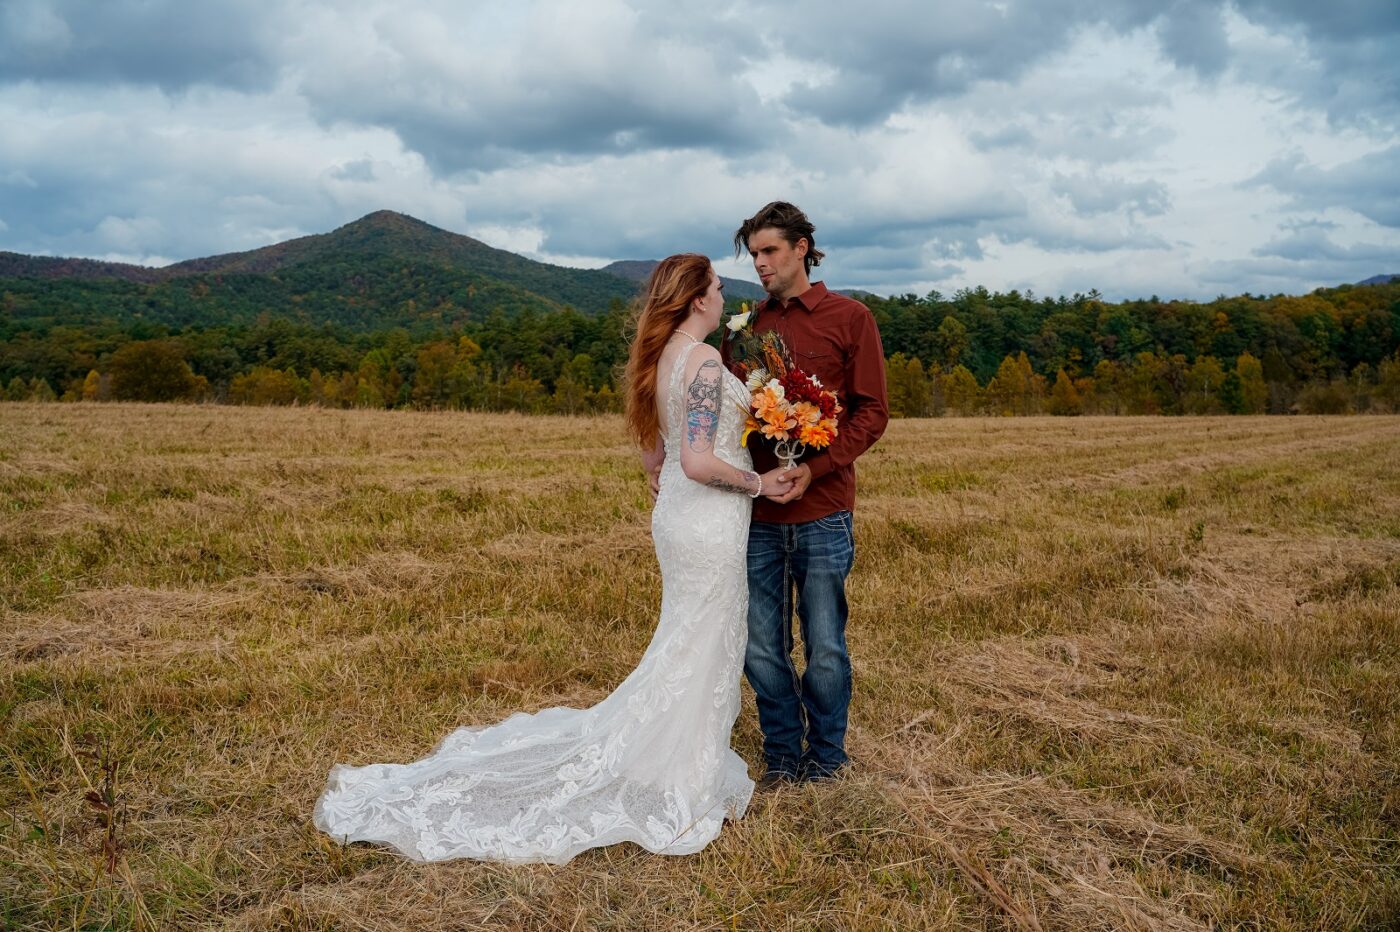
1187,149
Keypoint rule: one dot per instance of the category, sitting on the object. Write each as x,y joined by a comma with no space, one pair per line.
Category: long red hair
664,305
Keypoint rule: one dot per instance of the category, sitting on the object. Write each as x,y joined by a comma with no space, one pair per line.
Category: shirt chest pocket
824,363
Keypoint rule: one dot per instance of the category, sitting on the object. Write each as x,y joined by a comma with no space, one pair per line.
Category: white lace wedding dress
650,764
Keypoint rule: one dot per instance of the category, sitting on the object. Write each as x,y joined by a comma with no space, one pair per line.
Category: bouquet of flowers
788,406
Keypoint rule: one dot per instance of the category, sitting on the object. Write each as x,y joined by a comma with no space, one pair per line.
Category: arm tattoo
726,486
702,407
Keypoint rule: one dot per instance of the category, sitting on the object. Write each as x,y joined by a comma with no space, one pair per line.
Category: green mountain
386,233
384,270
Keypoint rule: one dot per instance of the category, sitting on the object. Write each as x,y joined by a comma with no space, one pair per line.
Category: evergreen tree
1279,378
1231,394
951,341
41,390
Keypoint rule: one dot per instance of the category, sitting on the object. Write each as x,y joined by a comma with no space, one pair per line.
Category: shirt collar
807,300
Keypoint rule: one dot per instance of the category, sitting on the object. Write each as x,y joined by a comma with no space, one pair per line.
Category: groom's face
778,262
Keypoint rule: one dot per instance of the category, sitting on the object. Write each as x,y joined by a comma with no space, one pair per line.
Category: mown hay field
1116,673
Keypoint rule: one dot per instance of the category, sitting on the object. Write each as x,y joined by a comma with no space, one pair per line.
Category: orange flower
778,430
816,435
806,413
768,402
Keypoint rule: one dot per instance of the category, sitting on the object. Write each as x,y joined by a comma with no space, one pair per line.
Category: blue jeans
809,561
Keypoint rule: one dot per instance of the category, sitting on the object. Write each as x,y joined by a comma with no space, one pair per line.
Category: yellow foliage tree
1064,397
960,390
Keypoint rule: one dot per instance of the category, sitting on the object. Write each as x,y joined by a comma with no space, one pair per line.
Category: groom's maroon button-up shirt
834,338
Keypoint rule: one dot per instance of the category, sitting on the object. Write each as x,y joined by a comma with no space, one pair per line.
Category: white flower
739,321
756,379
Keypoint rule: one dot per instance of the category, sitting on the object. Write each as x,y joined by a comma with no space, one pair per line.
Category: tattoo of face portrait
702,407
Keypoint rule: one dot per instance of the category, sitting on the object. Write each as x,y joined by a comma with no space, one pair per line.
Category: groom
801,544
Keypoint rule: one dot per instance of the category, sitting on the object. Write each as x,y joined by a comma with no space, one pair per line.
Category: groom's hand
654,480
800,476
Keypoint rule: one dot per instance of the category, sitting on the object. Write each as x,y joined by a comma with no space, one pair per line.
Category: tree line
975,352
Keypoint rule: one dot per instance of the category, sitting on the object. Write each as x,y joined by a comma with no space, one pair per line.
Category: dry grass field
1111,673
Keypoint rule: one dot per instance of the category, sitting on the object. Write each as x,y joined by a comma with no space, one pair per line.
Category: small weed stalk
108,803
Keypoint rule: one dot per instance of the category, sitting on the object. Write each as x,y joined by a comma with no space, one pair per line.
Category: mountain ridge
637,270
21,265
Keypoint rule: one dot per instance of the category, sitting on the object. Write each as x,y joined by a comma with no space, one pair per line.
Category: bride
651,763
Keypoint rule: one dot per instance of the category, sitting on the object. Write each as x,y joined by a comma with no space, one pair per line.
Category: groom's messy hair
788,220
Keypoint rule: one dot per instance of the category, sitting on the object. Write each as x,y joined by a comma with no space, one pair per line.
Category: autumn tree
1009,390
1064,397
1087,390
446,376
1254,391
1108,379
910,394
1387,390
1324,397
961,393
518,391
152,370
1138,386
1362,385
94,388
268,386
1203,381
1033,387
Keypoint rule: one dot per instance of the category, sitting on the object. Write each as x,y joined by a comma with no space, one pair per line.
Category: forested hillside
1327,352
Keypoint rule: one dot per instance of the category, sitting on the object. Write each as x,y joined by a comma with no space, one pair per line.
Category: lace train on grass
650,764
